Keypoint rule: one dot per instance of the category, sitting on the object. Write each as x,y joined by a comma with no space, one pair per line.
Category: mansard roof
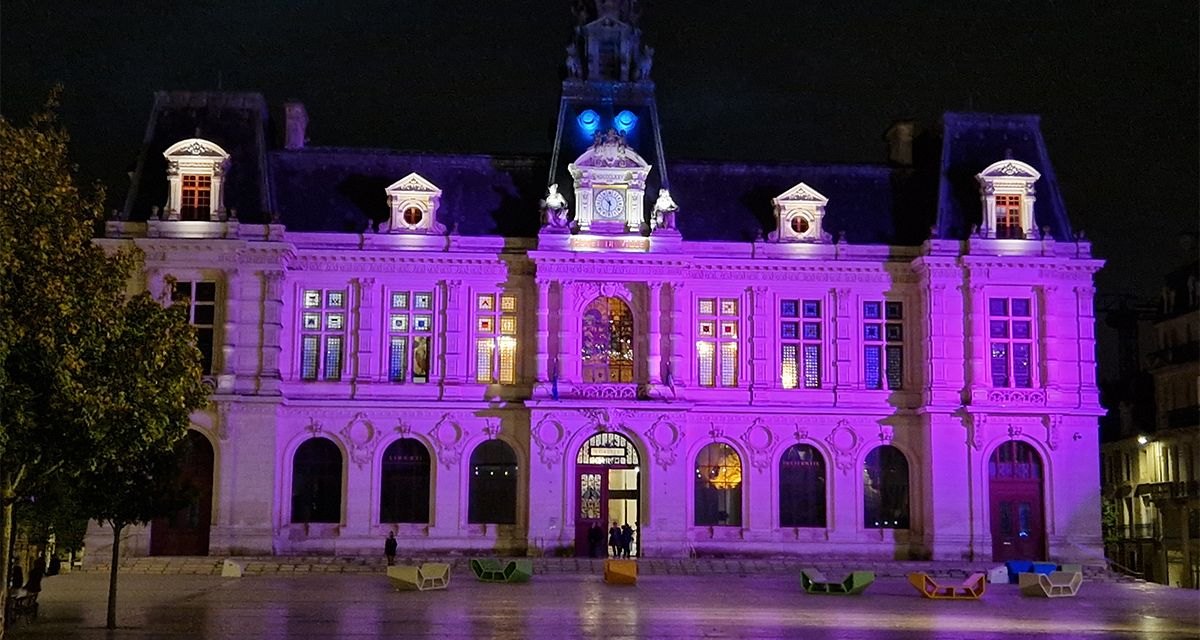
345,190
971,142
234,121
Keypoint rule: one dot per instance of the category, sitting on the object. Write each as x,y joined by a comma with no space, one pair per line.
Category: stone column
843,342
978,352
760,319
655,333
544,357
454,364
1089,393
570,367
272,333
681,370
364,364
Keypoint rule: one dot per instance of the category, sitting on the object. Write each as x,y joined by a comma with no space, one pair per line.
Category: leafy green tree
94,380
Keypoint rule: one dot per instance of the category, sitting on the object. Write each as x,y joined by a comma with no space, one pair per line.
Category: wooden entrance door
185,533
591,507
1018,523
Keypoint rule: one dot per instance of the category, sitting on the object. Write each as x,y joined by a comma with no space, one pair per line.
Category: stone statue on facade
554,211
664,210
574,67
645,61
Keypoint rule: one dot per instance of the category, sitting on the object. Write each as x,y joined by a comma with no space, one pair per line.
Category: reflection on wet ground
582,606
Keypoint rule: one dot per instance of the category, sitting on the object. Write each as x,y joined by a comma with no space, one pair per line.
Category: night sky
1115,83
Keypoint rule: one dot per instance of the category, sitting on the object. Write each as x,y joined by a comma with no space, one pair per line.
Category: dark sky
1115,82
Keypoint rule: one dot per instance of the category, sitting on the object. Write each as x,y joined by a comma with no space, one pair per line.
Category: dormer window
799,212
1008,194
414,203
195,175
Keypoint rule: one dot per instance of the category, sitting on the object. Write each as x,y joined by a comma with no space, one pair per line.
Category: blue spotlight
589,121
625,121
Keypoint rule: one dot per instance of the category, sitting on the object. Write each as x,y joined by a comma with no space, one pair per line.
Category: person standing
595,538
626,540
389,548
614,540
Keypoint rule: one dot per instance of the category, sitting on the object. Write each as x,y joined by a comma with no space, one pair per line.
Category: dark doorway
1015,485
493,484
185,533
404,483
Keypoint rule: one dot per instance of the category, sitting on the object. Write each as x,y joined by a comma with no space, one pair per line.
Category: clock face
610,204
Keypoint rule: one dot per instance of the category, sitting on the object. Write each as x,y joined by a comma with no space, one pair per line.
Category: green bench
493,570
852,585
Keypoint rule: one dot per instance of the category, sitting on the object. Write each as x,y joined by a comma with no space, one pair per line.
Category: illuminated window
607,349
323,334
496,338
202,312
1010,331
196,198
413,215
883,345
409,335
885,489
1008,216
717,341
718,499
800,339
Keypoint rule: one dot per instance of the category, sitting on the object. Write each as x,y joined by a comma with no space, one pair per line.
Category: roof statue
554,211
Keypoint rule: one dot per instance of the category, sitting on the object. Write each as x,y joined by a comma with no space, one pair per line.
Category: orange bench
971,588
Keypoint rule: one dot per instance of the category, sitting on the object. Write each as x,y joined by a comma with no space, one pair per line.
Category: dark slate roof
971,142
343,190
235,121
732,200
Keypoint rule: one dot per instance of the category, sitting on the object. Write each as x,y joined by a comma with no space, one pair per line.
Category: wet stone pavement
701,603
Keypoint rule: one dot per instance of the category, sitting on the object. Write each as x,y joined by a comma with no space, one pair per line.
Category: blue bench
1017,567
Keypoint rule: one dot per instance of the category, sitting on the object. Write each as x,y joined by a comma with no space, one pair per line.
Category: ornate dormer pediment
195,180
799,215
1007,194
414,203
610,186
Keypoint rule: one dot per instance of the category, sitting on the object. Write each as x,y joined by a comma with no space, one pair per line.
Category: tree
93,378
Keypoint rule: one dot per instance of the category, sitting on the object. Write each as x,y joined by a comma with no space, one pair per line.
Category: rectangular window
496,338
717,329
202,313
1010,329
800,357
409,326
1008,216
196,197
322,341
883,349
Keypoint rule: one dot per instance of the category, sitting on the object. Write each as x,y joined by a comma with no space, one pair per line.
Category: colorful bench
493,570
1059,584
620,572
1017,567
813,582
971,588
424,578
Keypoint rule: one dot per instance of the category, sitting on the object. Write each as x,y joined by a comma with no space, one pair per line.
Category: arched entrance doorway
185,533
608,489
1015,484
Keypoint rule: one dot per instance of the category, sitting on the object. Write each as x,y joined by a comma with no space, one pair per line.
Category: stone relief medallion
664,437
447,437
359,437
550,437
844,442
759,440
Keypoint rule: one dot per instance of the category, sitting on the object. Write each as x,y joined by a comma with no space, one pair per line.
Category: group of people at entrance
620,540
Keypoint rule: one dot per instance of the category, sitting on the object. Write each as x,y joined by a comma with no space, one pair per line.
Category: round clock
610,204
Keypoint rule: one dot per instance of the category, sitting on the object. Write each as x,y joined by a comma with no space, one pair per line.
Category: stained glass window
800,356
607,348
322,342
812,366
883,349
408,352
1011,336
608,448
484,348
496,358
716,351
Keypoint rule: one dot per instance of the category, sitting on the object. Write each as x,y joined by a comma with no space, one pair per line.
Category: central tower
607,149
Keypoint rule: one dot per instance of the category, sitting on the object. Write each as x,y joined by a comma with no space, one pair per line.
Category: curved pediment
1010,168
196,147
610,150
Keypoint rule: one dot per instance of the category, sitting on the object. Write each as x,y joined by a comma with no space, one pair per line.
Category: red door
591,507
185,533
1018,524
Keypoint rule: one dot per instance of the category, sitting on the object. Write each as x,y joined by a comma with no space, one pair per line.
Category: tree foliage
97,383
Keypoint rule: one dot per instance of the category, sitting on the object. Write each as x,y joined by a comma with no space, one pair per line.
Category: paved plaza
362,604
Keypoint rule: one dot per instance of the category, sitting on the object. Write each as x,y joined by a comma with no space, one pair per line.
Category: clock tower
610,187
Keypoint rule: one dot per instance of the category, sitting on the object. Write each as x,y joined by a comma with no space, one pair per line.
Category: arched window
317,482
1015,459
885,489
607,341
802,487
718,486
493,490
404,487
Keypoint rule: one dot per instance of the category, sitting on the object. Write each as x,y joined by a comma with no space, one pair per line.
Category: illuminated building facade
497,353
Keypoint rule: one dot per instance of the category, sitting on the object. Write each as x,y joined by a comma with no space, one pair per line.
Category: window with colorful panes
496,338
883,345
800,343
717,342
1010,330
323,334
410,331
